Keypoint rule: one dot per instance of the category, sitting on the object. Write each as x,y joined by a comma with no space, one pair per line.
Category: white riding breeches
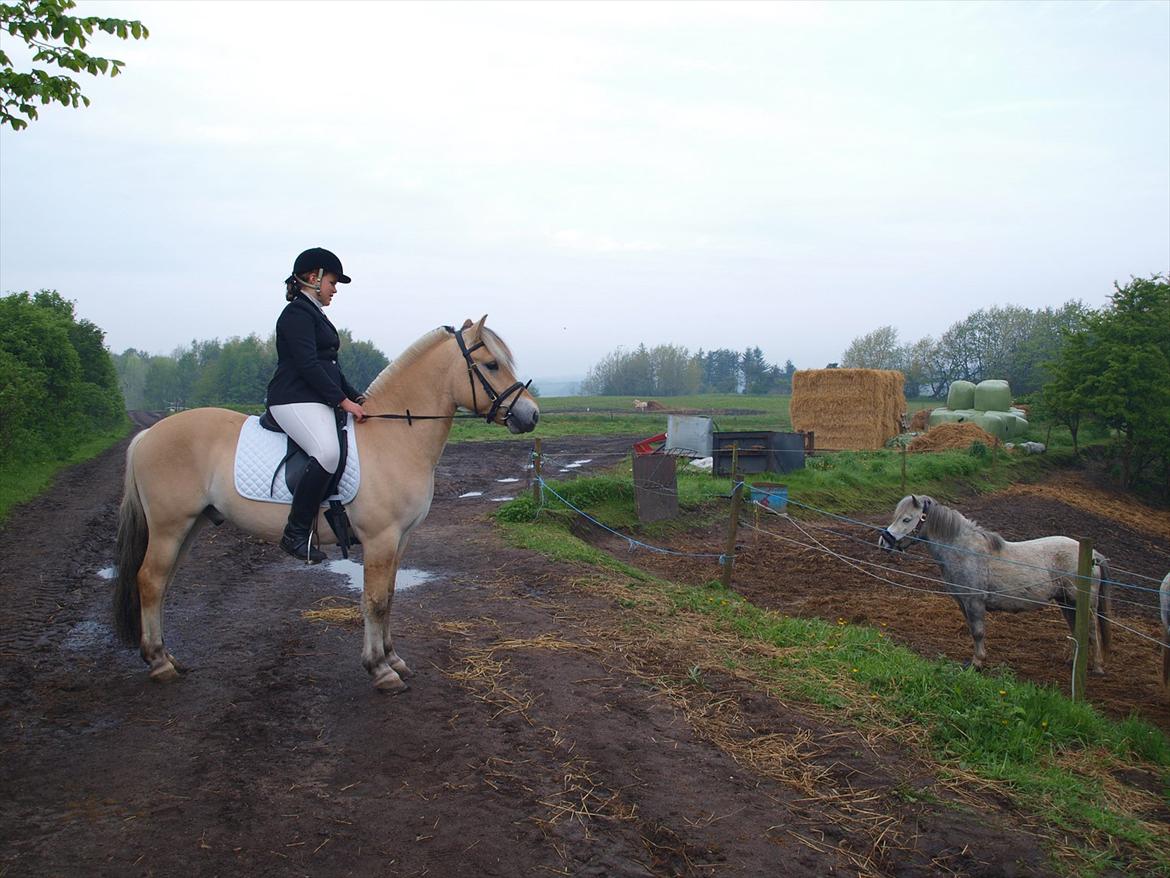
313,426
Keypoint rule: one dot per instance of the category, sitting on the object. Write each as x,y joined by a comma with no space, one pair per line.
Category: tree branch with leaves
59,40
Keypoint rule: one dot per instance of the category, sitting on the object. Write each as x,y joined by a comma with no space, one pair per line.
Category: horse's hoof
389,682
164,673
401,668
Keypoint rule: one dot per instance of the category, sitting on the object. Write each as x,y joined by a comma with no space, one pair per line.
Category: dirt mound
918,423
952,437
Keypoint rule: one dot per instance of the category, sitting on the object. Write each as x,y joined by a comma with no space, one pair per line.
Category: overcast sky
592,175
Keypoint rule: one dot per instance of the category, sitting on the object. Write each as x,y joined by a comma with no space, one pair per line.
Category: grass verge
21,482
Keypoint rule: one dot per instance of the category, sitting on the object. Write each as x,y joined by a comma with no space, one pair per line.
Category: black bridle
893,542
499,400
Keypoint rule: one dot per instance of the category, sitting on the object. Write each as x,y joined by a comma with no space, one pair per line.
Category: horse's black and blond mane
493,342
945,525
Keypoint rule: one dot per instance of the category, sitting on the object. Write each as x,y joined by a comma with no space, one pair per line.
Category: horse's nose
536,417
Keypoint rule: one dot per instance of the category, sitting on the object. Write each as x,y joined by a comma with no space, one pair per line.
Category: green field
615,415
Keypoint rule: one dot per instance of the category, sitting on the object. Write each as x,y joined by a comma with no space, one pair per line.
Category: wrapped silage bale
995,423
965,416
992,395
941,416
961,395
1017,424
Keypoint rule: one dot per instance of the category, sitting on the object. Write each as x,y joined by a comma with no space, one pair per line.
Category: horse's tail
133,535
1104,602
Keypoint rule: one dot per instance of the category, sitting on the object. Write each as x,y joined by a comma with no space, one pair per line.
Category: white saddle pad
258,453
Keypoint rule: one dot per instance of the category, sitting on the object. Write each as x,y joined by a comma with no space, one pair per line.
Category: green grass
841,482
21,482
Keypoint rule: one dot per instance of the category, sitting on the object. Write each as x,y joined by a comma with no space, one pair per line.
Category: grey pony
984,572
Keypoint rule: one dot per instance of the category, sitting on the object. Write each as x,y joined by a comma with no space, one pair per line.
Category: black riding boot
306,503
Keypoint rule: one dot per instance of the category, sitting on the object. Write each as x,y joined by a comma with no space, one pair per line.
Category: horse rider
308,389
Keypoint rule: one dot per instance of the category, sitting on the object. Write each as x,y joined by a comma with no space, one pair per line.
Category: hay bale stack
848,409
952,437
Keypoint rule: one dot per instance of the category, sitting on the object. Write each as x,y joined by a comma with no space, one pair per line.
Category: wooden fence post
1084,611
536,475
733,523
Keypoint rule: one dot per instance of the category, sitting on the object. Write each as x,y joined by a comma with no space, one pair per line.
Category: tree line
672,370
1013,343
58,387
232,372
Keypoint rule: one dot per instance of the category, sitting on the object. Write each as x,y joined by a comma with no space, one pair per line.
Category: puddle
87,635
507,480
471,494
107,573
408,577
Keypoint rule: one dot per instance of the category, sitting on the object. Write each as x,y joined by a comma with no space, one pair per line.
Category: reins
499,400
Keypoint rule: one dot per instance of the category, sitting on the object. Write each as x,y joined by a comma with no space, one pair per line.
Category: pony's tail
1104,603
133,535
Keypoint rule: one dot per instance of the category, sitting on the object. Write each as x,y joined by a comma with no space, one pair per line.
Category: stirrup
302,550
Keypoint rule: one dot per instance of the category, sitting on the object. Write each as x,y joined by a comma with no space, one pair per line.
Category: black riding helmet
318,258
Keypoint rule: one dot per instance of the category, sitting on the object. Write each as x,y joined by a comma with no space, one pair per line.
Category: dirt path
525,746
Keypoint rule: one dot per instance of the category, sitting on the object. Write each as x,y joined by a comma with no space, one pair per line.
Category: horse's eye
906,520
493,366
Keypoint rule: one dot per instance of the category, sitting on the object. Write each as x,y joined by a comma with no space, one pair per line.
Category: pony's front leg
378,656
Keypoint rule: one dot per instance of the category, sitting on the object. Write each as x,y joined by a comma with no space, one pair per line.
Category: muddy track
526,745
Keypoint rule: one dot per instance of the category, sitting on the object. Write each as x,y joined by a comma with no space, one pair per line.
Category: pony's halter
499,400
893,542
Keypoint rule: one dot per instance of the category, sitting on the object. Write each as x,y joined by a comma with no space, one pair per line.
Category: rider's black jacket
306,351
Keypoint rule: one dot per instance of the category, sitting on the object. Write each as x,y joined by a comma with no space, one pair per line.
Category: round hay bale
992,395
952,437
961,395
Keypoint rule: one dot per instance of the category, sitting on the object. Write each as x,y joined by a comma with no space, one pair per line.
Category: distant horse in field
179,475
984,572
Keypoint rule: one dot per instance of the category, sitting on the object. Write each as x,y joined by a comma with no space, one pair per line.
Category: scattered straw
952,437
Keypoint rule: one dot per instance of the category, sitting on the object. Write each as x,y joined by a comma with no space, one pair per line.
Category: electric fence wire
857,563
1144,605
948,588
633,543
854,521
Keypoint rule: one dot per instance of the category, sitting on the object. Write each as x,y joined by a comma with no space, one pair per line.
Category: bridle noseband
499,400
892,542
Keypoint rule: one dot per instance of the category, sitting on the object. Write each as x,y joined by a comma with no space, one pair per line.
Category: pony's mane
946,524
493,342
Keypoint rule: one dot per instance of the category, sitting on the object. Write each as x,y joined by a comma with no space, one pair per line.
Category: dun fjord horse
179,475
984,572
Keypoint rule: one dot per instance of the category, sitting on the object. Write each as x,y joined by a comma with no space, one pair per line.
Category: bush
58,387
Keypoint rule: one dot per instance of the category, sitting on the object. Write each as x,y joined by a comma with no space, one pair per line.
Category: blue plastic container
770,494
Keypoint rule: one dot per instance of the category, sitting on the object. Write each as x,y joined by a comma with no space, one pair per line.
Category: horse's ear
479,326
466,324
914,502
